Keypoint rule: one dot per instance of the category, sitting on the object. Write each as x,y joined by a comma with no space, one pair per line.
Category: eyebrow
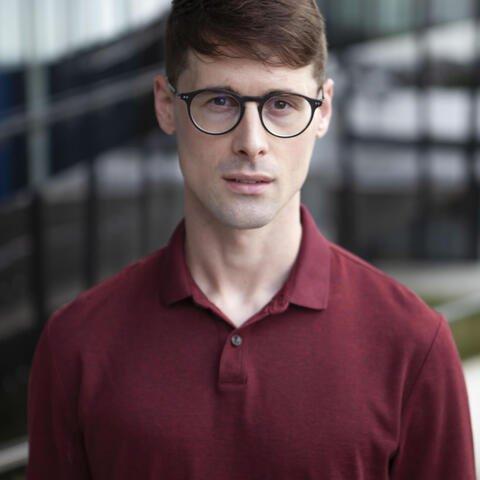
233,90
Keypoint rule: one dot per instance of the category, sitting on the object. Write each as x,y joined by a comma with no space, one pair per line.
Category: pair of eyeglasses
218,111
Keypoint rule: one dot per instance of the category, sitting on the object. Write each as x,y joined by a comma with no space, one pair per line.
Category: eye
222,101
219,101
280,104
283,105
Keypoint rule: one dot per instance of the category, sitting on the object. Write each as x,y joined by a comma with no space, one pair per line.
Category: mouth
246,182
248,179
248,185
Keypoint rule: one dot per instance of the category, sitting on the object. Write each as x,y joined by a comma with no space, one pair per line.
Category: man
250,347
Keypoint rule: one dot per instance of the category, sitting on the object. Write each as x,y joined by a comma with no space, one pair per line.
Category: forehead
245,75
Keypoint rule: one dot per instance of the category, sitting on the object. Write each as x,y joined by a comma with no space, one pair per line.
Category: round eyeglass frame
188,97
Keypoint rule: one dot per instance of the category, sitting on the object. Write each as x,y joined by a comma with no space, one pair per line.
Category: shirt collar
307,284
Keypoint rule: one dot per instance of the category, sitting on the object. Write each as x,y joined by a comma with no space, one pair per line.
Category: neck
242,266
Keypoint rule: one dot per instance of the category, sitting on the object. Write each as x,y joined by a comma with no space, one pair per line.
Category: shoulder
396,330
366,279
386,305
105,306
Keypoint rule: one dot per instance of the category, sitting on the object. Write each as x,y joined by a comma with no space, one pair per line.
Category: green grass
466,331
437,300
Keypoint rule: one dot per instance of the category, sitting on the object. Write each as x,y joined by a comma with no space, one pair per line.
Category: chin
244,216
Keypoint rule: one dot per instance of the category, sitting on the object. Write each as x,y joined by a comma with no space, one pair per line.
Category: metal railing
76,103
32,245
14,456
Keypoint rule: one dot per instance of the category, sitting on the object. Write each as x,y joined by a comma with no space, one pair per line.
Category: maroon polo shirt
344,375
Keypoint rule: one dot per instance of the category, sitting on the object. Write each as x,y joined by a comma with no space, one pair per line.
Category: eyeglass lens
283,115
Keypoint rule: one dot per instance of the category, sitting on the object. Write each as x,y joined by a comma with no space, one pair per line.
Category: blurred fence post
144,203
91,220
91,227
347,233
37,259
36,80
473,195
421,221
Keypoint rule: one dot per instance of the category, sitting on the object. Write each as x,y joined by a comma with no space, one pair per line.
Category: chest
290,405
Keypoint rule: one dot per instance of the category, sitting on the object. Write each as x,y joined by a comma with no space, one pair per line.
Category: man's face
206,160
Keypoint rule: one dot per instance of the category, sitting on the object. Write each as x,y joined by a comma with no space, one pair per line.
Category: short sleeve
55,446
436,441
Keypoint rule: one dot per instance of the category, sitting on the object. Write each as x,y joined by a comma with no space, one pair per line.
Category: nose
250,138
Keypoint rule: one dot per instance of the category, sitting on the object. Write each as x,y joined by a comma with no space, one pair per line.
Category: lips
248,179
248,184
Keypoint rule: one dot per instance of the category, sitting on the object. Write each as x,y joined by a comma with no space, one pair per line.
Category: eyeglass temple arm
322,98
172,88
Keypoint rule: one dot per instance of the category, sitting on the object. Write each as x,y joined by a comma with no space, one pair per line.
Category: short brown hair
293,31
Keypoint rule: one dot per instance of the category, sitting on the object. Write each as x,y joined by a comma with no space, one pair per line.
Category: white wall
46,29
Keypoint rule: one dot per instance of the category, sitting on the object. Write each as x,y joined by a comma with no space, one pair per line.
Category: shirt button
236,340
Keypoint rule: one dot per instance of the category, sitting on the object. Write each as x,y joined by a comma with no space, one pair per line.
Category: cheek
192,142
199,156
297,155
189,140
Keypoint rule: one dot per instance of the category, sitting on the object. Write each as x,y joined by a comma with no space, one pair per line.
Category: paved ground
472,376
436,279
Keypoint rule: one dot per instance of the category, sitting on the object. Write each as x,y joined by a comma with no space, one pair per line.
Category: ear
325,109
164,104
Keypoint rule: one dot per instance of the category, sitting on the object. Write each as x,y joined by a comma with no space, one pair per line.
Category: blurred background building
88,182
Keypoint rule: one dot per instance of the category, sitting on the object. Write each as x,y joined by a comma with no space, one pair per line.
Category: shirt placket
232,372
